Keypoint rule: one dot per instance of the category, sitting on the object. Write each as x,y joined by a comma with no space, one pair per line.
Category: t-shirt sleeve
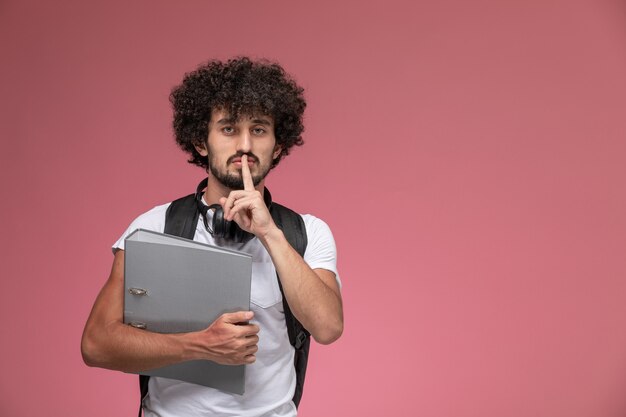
153,220
321,251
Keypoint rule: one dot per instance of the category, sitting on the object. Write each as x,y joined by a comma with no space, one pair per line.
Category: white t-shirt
271,380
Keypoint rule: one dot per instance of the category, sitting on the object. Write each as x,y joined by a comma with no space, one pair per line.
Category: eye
228,130
258,131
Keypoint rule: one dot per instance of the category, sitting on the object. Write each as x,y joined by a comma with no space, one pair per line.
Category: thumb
237,317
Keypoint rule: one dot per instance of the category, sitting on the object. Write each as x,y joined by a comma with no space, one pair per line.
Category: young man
236,119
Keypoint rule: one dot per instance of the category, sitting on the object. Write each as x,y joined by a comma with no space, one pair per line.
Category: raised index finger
248,184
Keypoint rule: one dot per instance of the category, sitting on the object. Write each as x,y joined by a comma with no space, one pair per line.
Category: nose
244,142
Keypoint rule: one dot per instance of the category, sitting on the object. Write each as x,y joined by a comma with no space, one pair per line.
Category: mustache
250,155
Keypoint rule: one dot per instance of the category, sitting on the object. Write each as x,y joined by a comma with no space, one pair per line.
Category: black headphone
221,227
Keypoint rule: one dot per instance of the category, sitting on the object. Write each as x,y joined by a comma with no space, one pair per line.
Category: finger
241,208
236,317
249,344
250,331
229,203
251,349
248,184
242,220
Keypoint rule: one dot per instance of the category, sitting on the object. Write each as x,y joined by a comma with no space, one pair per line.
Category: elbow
88,351
329,334
91,351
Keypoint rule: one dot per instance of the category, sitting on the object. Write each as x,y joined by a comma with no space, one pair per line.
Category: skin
313,295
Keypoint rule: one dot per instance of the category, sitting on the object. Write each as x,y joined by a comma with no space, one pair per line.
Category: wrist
192,347
273,235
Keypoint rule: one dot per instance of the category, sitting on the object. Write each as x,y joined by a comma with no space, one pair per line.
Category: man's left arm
313,295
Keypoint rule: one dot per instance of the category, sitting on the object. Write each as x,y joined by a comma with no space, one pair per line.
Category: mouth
237,161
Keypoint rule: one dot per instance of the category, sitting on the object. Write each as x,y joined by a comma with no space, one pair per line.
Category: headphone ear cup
231,231
237,233
226,229
220,226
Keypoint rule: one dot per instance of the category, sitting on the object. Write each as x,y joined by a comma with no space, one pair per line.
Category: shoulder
153,219
286,216
314,225
321,250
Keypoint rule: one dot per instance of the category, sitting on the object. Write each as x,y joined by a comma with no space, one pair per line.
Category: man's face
230,139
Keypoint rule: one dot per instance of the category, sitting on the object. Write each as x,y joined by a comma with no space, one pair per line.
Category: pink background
468,155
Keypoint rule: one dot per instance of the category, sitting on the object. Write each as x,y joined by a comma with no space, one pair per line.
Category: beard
232,180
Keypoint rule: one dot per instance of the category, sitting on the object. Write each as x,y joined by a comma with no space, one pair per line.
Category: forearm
313,296
124,348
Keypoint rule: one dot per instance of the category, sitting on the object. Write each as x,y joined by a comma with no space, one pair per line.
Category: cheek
216,151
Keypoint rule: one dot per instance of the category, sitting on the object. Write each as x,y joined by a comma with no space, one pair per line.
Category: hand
229,340
246,207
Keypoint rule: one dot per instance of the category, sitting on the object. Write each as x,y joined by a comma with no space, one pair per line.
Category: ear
201,148
277,150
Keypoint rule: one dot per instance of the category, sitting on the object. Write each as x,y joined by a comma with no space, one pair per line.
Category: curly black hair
239,86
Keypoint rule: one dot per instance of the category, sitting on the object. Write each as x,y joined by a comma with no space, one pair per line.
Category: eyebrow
225,121
265,122
256,121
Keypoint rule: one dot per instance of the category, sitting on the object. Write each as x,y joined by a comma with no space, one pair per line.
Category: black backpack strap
292,225
181,217
143,389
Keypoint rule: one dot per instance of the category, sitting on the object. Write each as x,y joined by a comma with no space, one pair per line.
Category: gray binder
175,285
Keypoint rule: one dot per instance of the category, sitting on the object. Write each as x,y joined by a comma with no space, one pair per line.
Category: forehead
220,117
